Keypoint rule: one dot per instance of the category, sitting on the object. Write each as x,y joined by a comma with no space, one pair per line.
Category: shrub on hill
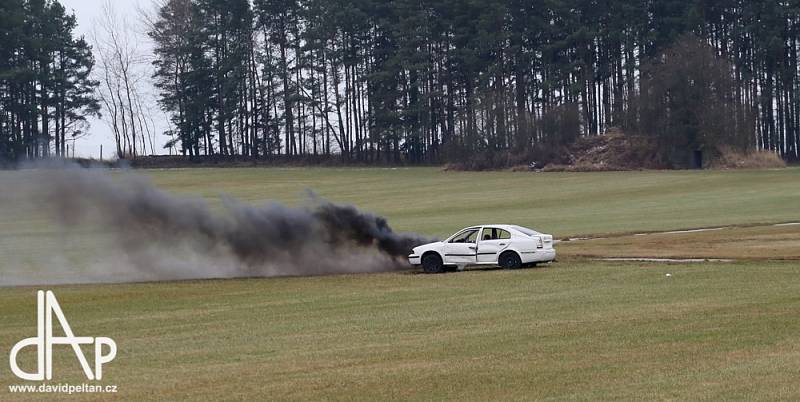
730,158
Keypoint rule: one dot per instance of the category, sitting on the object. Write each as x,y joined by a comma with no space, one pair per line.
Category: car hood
425,247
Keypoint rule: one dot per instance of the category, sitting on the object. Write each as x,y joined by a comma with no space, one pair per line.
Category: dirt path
776,241
668,260
682,231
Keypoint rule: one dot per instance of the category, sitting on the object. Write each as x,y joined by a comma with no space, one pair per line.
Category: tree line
46,92
409,81
432,80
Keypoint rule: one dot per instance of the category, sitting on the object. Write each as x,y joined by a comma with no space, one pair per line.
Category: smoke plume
148,234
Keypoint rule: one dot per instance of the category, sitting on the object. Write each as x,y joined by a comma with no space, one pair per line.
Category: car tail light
540,244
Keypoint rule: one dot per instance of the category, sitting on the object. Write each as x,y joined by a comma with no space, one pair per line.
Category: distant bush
610,152
498,160
585,167
615,151
730,158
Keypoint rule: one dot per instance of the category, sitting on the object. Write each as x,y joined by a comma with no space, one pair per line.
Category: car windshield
467,236
526,231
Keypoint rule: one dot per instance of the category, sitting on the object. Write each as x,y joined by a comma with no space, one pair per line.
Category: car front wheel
432,264
510,260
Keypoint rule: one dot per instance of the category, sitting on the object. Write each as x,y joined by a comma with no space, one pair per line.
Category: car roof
499,226
511,228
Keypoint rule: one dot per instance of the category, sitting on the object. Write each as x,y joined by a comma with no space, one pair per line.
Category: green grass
579,329
430,201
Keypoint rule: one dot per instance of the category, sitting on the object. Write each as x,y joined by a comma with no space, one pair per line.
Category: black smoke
162,236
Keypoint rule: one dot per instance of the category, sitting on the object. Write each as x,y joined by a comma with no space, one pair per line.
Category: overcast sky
88,13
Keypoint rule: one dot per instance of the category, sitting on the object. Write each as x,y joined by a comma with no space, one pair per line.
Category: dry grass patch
730,158
759,242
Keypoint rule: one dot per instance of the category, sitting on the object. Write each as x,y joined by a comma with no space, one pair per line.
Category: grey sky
88,13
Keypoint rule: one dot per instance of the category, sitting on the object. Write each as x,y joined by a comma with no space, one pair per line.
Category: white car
508,246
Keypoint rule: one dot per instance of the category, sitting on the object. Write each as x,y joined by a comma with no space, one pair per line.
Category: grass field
578,329
433,202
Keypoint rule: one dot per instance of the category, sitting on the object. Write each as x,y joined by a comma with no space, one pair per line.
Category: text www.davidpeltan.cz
68,389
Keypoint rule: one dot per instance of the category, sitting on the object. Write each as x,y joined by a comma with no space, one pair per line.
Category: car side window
495,234
469,236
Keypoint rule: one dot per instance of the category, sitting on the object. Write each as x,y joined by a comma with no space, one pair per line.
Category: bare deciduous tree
123,71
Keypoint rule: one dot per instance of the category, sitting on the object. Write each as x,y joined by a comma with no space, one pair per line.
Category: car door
492,242
462,248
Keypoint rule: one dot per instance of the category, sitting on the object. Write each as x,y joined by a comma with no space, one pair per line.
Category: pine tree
45,87
441,80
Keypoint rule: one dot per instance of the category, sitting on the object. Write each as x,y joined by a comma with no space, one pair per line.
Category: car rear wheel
510,260
432,263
